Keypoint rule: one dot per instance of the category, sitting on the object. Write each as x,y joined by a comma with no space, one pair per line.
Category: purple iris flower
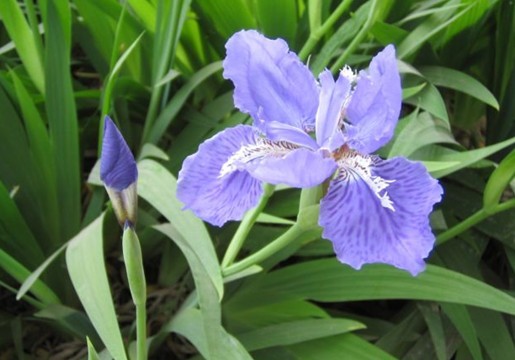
119,173
306,132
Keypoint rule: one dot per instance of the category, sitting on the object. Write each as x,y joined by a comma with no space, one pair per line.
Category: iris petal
117,165
212,197
297,168
271,83
278,131
375,105
332,100
363,230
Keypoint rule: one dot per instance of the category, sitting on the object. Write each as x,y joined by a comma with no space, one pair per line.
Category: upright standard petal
383,219
212,194
329,117
271,83
117,165
375,105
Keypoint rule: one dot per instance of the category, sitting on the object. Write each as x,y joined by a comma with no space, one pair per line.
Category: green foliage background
155,67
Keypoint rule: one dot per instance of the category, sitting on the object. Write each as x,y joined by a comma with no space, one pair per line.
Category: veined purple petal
212,197
333,96
278,131
364,230
271,83
117,165
375,105
299,167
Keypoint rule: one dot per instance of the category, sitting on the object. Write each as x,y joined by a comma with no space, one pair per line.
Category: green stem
245,226
357,40
278,244
137,285
473,220
316,35
141,331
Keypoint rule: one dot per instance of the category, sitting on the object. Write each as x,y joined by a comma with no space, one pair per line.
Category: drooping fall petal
210,194
382,219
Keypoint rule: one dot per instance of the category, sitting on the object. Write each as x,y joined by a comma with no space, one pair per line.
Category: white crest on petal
355,164
349,74
252,152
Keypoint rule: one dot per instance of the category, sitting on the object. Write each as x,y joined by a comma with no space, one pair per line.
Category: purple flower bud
119,173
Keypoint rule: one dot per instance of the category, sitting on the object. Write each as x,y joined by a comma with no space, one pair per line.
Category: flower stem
245,226
473,220
357,39
317,34
138,287
141,331
282,241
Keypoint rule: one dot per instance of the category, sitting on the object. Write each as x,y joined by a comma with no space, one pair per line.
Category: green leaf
435,166
460,317
333,348
499,180
30,201
71,321
85,262
170,20
62,114
109,84
345,33
473,17
34,276
388,33
35,126
19,272
146,12
17,337
172,74
457,160
152,151
97,32
157,186
436,329
168,114
188,323
459,81
219,344
277,18
430,99
429,28
328,280
412,91
406,328
16,237
245,311
493,334
22,36
426,10
41,151
92,353
419,130
295,332
227,16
